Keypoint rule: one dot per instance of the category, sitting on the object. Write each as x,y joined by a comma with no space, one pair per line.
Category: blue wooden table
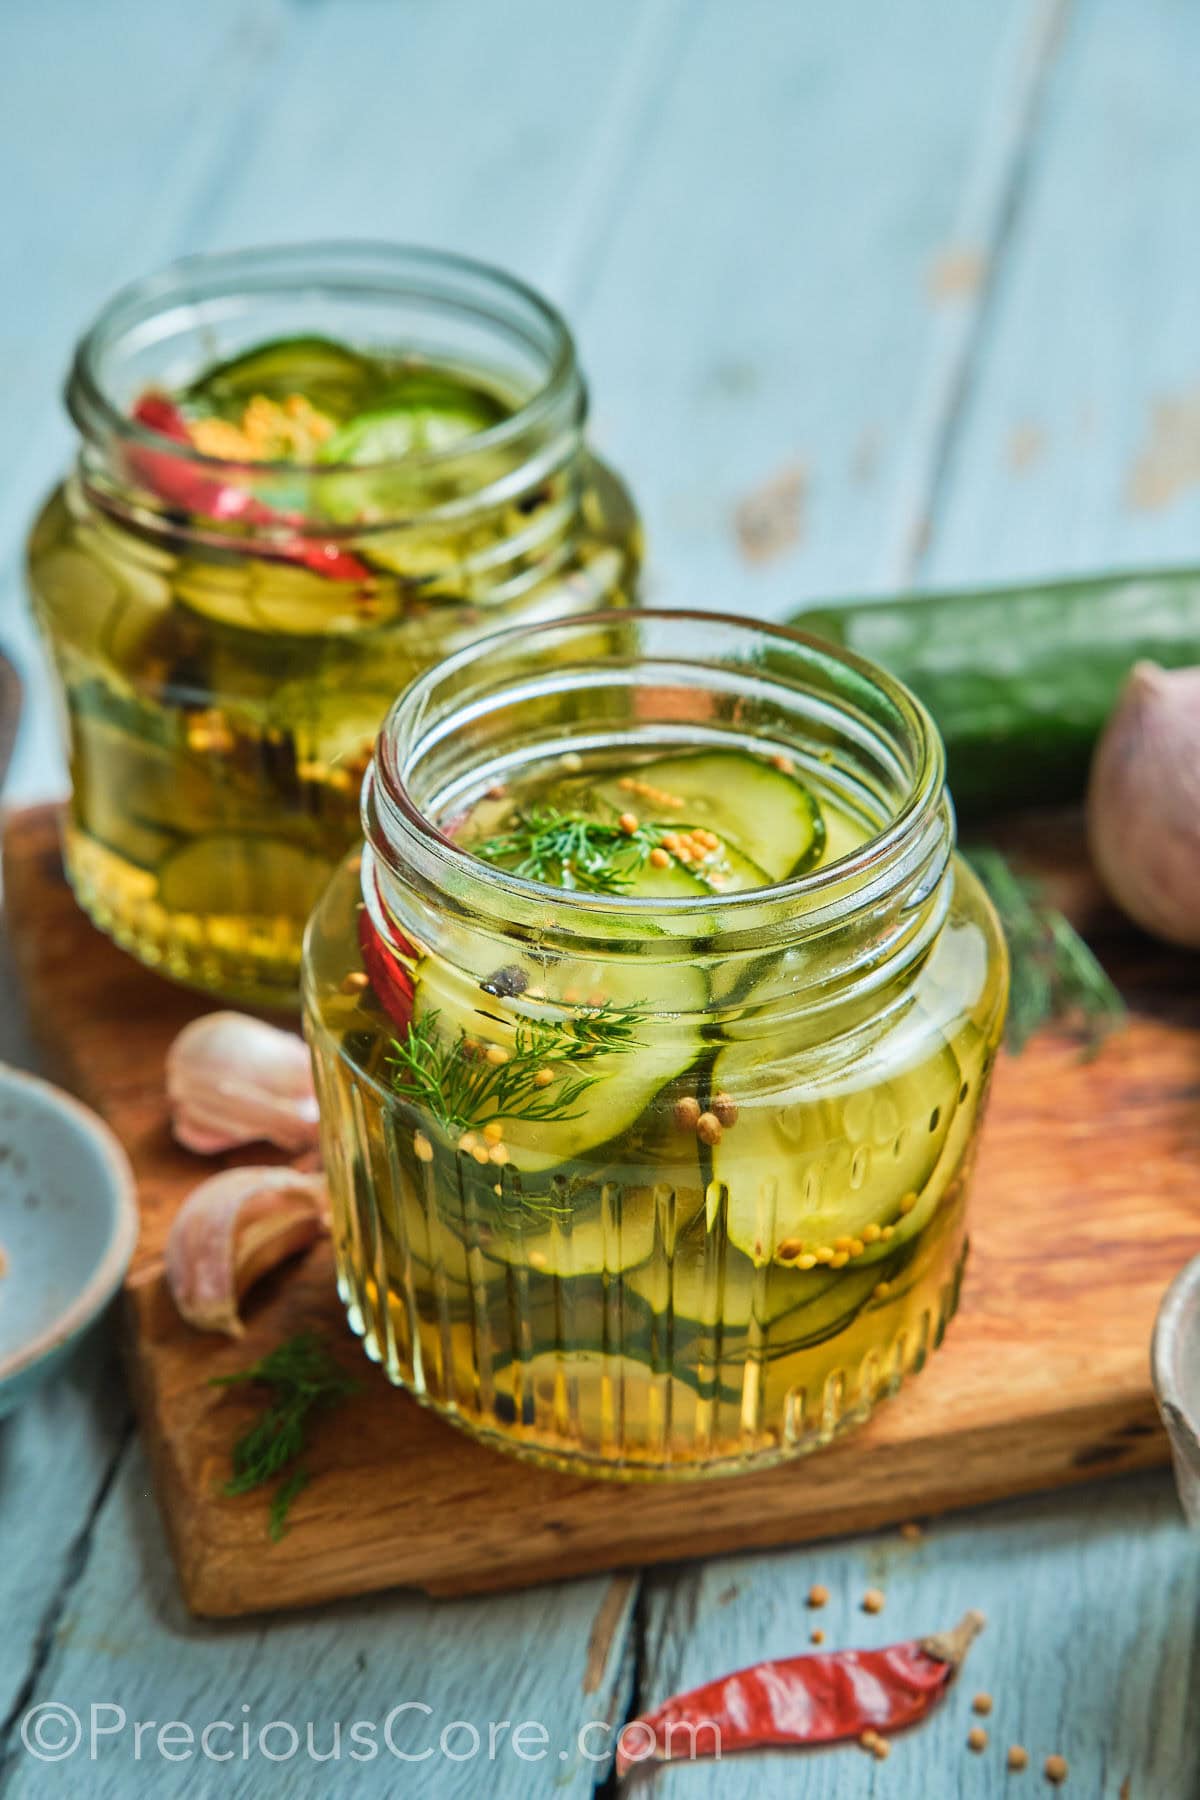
924,271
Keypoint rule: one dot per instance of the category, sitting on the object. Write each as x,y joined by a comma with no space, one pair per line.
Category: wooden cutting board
1087,1200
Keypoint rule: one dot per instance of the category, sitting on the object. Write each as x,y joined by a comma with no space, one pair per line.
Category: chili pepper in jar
182,485
814,1699
390,979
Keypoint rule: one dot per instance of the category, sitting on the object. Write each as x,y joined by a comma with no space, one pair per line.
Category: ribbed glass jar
228,635
618,1292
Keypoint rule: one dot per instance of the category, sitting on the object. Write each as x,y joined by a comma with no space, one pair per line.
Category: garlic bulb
1144,802
231,1230
233,1080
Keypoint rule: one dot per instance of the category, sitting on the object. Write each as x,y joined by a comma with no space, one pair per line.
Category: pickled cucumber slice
624,1082
333,378
424,412
765,812
828,1155
242,875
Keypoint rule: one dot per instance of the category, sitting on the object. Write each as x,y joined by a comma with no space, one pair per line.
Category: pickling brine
305,476
652,1031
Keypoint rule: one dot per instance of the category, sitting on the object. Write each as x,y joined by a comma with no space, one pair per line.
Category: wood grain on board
1084,1206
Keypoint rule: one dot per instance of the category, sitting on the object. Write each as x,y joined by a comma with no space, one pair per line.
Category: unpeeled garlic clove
233,1080
1144,802
233,1229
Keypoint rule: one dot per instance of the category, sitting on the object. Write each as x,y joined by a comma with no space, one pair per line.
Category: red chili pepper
813,1699
189,488
391,980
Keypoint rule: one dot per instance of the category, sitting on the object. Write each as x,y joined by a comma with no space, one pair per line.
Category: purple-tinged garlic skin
231,1230
1143,803
233,1080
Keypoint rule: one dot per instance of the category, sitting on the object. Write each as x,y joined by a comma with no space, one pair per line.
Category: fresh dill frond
302,1377
453,1080
1055,977
570,850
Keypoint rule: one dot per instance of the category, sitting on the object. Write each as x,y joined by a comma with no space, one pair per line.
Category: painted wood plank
56,1456
761,315
1079,442
1093,1607
553,1657
112,119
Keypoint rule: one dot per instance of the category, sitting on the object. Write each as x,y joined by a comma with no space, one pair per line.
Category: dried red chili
183,485
391,981
812,1699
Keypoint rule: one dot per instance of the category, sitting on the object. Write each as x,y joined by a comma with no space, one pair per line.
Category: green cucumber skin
1020,680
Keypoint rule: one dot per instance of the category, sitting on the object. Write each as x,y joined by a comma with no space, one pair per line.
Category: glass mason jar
228,635
618,1291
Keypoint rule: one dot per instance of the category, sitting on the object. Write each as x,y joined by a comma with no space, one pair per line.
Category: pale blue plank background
934,261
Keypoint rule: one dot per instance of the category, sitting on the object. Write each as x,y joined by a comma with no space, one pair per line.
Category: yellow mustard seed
842,1243
881,1749
1056,1769
422,1147
628,823
887,1233
882,1289
870,1234
495,1055
708,1128
982,1704
839,1259
543,1078
597,998
571,996
354,981
908,1202
868,1739
977,1739
660,858
1018,1757
498,1154
480,1153
467,1141
725,1107
493,1132
818,1595
687,1113
807,1261
790,1248
874,1600
784,764
824,1253
817,1636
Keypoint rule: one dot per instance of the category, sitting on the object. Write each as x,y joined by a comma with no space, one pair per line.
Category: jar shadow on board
653,1026
304,475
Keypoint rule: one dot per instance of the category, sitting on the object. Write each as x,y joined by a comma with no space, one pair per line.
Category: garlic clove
233,1080
1144,802
231,1231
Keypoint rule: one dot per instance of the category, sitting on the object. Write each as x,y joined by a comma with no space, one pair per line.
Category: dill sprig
569,850
1054,974
452,1079
303,1377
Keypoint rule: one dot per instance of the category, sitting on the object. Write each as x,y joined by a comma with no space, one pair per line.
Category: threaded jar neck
666,682
450,312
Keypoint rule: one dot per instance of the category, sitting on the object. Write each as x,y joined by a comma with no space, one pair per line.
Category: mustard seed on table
818,1595
1056,1769
874,1600
817,1637
982,1704
1018,1758
977,1739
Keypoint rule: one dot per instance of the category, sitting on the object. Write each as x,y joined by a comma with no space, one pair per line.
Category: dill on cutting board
302,1377
1055,977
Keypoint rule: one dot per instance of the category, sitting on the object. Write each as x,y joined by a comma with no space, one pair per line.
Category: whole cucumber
1020,680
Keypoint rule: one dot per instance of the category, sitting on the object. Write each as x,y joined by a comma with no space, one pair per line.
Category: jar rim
366,265
829,892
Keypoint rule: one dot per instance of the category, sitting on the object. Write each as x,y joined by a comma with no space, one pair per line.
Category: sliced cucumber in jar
247,876
763,811
828,1159
424,413
333,378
